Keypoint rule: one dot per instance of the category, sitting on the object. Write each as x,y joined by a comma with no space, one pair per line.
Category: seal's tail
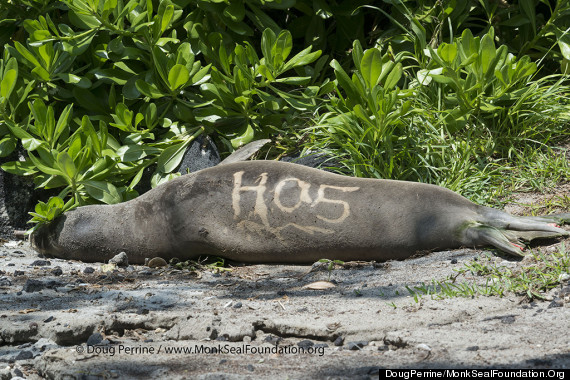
507,232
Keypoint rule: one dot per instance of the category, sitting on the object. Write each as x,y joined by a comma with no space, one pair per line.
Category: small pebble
157,262
57,271
557,302
40,263
95,339
356,345
237,305
88,270
25,355
120,260
18,273
339,341
5,281
454,261
472,348
305,343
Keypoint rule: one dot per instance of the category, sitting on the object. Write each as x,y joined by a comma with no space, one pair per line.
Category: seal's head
45,238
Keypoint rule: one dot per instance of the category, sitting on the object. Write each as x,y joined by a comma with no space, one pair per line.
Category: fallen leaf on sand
319,285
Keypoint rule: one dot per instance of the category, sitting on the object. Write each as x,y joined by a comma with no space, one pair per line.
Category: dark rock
356,345
142,311
312,160
49,319
25,355
305,343
508,319
32,285
17,198
557,302
237,305
40,263
120,260
472,348
5,281
454,261
339,341
18,372
57,271
272,339
318,345
95,339
201,154
11,265
88,270
250,368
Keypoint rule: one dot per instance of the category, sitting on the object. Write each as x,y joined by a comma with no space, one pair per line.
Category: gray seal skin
272,212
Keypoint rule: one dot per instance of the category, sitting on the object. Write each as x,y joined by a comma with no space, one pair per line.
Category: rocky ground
73,320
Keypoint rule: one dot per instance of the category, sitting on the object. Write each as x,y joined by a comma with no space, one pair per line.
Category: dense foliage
93,92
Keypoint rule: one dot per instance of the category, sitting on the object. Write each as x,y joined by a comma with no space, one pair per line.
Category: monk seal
274,212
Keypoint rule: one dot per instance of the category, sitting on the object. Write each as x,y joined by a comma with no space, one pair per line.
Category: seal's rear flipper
508,234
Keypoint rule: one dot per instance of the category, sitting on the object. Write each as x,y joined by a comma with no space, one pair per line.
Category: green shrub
93,92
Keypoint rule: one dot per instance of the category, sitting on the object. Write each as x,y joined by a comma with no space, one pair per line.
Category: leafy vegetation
469,95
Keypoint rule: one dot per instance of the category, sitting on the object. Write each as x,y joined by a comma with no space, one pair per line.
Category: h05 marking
260,187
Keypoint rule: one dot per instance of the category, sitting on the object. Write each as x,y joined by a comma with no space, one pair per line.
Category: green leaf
148,89
171,157
447,52
43,167
88,128
151,116
200,77
65,163
31,144
303,58
357,53
178,76
235,10
100,169
41,73
7,145
394,77
244,138
20,167
488,52
344,80
74,79
301,81
8,83
26,54
62,122
103,191
564,44
281,48
267,42
371,67
130,153
137,178
166,18
527,7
